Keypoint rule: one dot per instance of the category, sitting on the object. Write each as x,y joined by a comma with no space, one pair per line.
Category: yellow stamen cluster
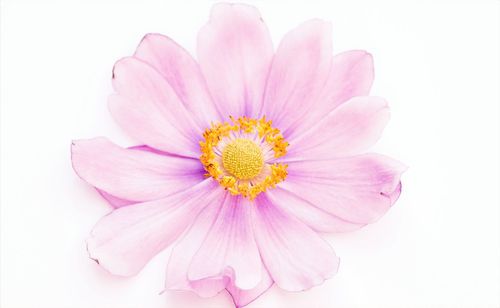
242,159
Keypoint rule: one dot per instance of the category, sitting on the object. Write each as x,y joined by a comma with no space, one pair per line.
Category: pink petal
229,248
126,239
182,73
298,72
358,189
349,129
242,297
184,251
218,251
190,245
351,75
235,52
295,256
315,217
130,174
116,202
148,109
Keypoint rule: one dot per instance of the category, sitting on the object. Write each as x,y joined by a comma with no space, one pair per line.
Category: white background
437,63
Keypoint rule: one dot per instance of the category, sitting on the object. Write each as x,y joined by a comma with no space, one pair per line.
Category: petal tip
112,267
152,37
394,195
224,7
117,68
77,146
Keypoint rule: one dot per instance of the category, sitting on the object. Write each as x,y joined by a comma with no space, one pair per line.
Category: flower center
243,159
241,156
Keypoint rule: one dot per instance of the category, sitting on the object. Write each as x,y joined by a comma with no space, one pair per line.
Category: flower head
239,156
244,155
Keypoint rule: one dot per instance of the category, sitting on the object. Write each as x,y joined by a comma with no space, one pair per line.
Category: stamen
241,168
243,159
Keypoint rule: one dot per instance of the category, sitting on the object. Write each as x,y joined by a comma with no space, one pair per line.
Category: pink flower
246,154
